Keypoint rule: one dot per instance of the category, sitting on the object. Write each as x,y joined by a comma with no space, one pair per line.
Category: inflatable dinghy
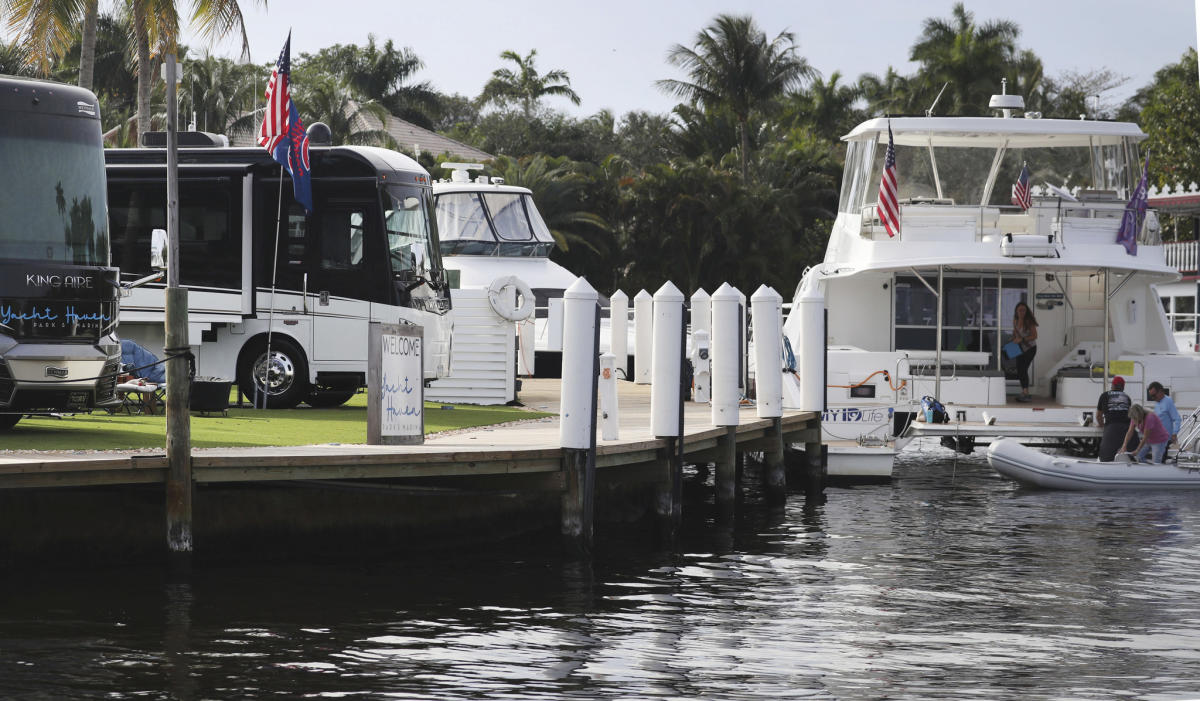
1034,467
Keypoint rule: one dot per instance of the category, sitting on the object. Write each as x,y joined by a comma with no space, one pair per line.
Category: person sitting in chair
136,358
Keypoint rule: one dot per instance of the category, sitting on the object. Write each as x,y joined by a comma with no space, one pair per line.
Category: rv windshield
410,239
52,190
963,175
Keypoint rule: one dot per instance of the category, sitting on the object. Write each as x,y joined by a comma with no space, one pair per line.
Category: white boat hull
1034,467
860,462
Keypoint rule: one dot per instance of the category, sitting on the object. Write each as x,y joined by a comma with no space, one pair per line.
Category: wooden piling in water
774,472
727,468
179,432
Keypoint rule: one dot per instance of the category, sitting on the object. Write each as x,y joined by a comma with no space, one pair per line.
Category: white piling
610,417
726,399
767,308
810,306
725,356
668,354
577,413
643,337
701,313
618,329
578,365
701,367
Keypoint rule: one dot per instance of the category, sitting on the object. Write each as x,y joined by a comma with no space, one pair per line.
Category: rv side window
342,239
210,249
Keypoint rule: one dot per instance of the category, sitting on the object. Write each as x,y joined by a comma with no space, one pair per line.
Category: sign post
395,385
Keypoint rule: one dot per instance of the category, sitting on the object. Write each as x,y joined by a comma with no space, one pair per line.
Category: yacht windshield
964,175
410,238
52,190
492,223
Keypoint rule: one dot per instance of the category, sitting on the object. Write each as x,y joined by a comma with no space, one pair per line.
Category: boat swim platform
1050,430
520,455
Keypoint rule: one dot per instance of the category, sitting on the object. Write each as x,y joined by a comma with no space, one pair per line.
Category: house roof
411,138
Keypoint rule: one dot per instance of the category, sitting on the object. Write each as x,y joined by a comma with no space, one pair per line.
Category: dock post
610,410
726,400
666,404
577,412
618,332
767,317
643,337
179,371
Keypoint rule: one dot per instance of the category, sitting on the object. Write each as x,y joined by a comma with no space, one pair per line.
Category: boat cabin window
958,173
491,223
976,311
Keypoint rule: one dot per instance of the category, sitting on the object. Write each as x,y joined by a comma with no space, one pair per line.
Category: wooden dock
515,458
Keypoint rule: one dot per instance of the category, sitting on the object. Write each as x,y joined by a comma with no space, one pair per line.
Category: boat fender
500,296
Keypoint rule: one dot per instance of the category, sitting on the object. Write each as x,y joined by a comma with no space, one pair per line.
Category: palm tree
889,94
326,101
828,106
526,86
733,65
559,191
216,92
971,58
48,28
381,75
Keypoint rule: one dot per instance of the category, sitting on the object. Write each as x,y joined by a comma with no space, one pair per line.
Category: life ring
501,298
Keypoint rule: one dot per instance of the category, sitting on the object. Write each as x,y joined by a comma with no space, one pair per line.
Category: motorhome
59,351
261,273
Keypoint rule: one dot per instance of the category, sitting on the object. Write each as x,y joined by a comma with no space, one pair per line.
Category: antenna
929,112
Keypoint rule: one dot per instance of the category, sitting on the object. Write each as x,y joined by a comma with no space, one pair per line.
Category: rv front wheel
7,421
284,380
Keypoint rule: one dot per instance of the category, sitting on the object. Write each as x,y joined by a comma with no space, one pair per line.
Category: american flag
282,133
889,206
1020,195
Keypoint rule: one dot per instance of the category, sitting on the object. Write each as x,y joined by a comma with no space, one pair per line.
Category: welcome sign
395,386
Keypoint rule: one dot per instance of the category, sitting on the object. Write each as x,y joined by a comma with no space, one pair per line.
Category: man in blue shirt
1164,406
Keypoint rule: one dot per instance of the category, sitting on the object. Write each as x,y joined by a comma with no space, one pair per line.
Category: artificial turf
241,428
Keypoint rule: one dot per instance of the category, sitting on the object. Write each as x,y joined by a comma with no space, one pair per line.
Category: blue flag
1135,210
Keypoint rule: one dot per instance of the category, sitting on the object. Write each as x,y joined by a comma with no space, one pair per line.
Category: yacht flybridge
928,311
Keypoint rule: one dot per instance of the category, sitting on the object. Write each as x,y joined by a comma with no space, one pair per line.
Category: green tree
524,86
217,93
733,66
827,107
1170,115
381,74
968,58
324,100
558,191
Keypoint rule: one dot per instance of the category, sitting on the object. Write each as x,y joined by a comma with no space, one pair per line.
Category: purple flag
1135,210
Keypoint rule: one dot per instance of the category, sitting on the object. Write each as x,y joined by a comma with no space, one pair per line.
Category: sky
614,51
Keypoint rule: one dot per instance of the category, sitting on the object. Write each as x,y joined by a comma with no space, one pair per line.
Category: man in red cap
1112,414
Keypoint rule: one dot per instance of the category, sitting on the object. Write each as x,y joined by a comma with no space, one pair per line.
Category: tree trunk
145,79
87,50
745,154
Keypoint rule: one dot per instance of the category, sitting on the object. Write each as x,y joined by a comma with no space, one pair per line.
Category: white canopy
992,132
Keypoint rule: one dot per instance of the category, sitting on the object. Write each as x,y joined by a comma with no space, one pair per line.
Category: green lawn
242,428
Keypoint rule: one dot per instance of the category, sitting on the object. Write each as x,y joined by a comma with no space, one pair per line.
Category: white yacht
928,311
489,231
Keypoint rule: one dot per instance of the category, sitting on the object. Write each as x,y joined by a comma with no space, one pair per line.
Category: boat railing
1182,255
932,219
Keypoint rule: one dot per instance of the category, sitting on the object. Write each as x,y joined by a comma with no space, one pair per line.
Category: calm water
947,583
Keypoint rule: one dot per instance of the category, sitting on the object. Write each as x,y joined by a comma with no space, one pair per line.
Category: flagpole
271,314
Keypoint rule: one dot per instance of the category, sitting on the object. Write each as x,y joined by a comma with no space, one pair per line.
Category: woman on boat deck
1154,434
1025,336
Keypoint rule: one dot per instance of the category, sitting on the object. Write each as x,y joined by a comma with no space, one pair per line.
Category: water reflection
948,583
